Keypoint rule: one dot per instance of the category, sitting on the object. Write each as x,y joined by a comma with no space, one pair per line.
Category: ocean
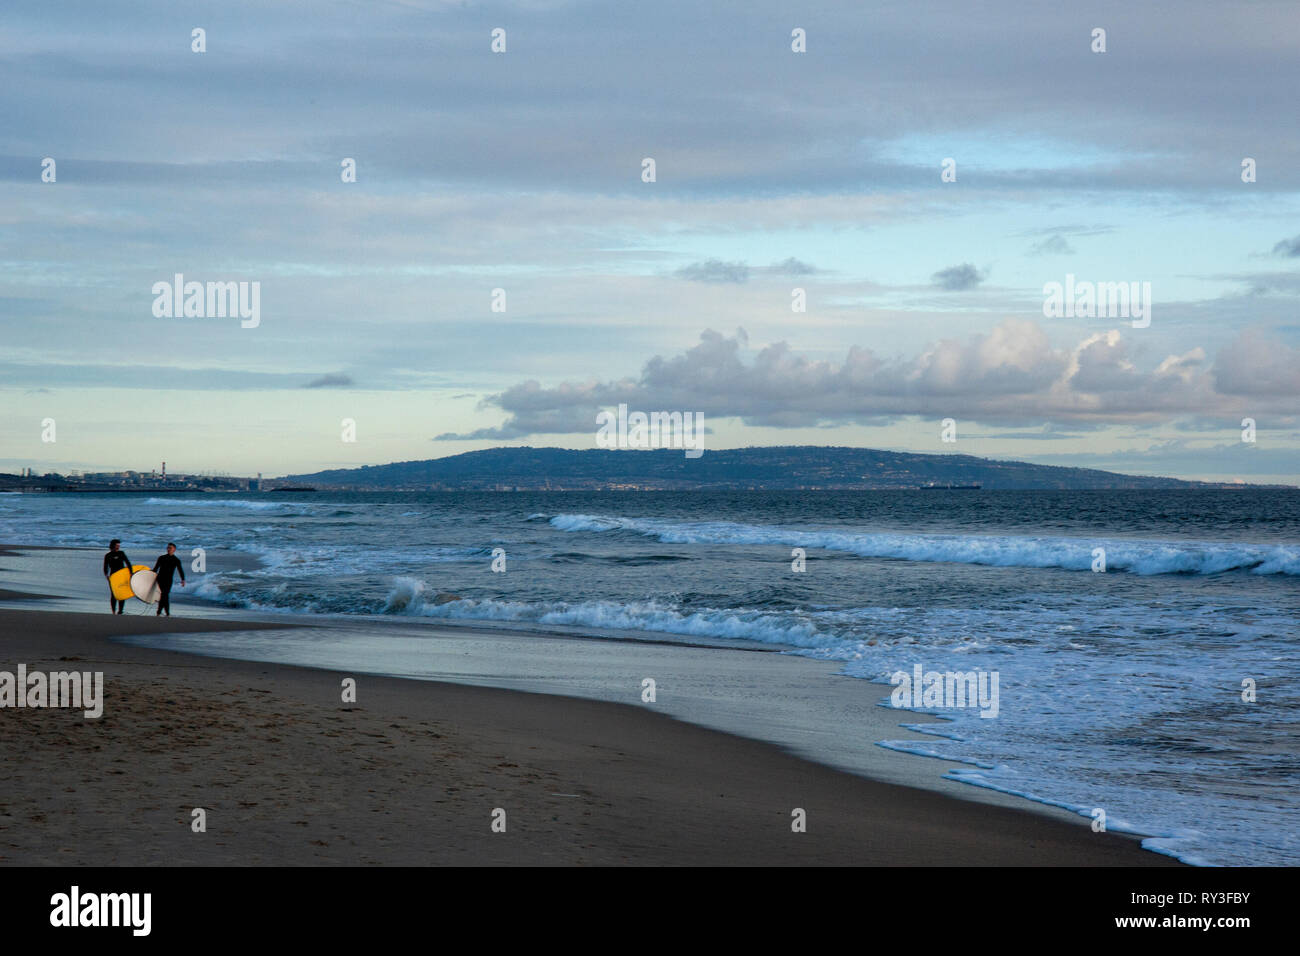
1126,690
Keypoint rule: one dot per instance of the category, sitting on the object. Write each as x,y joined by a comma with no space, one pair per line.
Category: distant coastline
769,468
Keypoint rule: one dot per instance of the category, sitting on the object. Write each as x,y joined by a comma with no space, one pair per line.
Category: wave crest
1071,554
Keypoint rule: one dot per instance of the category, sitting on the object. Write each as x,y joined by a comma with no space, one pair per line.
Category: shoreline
412,772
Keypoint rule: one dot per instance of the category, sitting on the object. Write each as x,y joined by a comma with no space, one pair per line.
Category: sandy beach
413,771
864,435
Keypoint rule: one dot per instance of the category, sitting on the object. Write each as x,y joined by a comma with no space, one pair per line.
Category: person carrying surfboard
115,561
167,565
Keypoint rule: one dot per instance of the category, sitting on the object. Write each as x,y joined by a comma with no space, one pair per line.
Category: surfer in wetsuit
167,565
115,560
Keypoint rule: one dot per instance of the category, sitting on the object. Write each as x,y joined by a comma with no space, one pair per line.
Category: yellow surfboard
120,581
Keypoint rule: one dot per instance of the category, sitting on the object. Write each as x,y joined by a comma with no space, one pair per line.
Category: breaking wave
1072,554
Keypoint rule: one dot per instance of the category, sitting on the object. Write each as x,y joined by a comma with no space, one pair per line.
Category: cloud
1046,434
39,377
331,380
1072,229
771,131
714,270
1053,245
1262,283
1102,365
1011,375
1289,248
1257,365
958,278
792,267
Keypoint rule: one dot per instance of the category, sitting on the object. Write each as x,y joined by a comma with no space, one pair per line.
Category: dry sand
411,774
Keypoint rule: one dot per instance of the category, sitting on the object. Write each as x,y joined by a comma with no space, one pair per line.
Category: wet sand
413,771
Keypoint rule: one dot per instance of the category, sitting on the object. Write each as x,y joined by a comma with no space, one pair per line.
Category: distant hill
777,467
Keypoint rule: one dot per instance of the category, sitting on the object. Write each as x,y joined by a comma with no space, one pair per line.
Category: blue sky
775,170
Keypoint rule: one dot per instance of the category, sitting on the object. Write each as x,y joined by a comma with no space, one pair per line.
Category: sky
775,170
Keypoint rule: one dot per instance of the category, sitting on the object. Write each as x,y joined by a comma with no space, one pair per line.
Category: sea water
1161,690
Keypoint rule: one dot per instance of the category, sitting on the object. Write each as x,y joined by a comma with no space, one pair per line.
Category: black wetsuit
165,567
115,561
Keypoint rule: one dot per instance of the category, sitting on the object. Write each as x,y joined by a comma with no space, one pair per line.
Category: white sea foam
408,596
1073,554
217,503
405,593
309,560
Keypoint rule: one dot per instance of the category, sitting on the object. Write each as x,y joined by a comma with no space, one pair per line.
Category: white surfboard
144,585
